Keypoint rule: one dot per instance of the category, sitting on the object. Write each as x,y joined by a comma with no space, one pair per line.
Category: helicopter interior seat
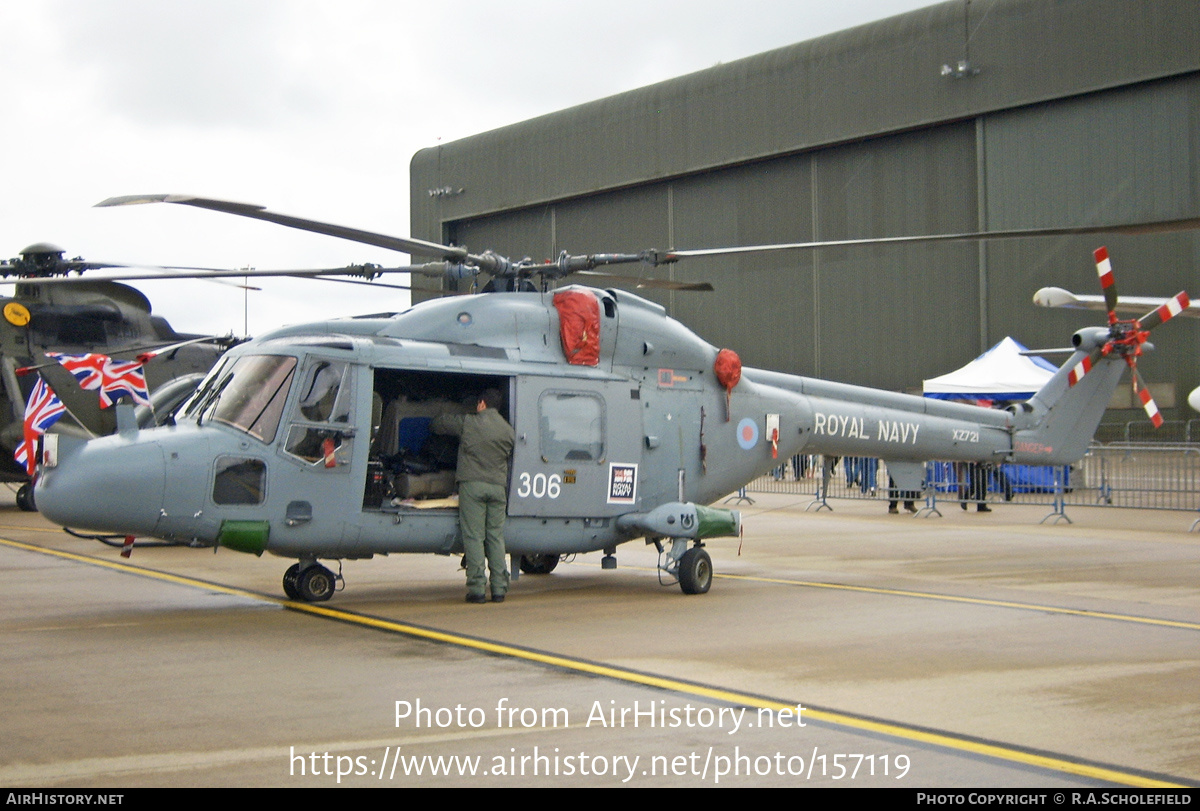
415,462
412,434
389,440
383,439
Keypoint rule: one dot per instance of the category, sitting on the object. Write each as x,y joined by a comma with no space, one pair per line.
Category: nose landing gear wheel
316,584
290,587
695,571
25,498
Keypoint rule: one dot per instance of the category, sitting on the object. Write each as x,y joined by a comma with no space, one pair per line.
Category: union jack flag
114,378
123,378
88,369
42,411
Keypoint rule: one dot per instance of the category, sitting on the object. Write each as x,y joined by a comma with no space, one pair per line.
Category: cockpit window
204,392
252,396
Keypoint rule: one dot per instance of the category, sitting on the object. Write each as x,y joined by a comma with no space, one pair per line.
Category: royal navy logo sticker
622,484
747,433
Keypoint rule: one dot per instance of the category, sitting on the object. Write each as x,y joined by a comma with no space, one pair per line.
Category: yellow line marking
951,598
129,568
946,740
1079,612
31,529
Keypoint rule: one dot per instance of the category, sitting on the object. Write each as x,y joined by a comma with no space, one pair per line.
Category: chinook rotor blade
418,247
22,267
1156,227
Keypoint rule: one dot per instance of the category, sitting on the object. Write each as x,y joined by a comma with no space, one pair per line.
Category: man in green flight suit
485,444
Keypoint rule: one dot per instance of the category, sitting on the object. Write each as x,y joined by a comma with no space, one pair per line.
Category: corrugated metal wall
858,135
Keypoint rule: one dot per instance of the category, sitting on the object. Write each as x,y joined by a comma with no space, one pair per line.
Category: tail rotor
1126,338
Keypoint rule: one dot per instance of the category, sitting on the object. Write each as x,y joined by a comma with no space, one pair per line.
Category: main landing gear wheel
538,564
695,571
25,498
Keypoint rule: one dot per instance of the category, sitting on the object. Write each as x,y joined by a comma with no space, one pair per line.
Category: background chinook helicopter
88,316
627,423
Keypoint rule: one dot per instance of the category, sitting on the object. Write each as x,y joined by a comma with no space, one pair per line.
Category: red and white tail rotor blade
1084,366
1107,282
1143,394
1169,309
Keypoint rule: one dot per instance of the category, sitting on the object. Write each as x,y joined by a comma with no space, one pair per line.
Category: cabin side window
571,426
321,427
239,480
324,396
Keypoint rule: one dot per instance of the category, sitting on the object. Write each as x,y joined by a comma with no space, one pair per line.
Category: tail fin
1061,418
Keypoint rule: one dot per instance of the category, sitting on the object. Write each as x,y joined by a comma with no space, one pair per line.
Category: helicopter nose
110,484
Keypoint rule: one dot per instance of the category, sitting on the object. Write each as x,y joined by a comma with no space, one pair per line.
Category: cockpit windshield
249,397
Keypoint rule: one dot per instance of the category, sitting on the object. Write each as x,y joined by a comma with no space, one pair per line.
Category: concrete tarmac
966,650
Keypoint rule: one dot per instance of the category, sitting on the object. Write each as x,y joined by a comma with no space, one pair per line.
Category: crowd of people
971,480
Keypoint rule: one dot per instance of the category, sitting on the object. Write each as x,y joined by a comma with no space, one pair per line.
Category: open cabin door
578,447
319,430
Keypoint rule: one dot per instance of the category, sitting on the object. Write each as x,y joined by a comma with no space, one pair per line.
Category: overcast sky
312,108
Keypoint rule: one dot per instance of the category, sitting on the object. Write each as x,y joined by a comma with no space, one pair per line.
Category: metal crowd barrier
1117,474
1143,431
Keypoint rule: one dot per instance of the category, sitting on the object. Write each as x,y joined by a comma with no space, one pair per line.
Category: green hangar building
964,116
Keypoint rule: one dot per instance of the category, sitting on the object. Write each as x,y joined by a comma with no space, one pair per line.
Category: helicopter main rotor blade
177,273
459,263
145,352
436,269
418,247
151,272
1130,305
20,268
340,280
1157,227
643,282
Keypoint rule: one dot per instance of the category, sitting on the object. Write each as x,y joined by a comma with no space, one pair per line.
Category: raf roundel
747,433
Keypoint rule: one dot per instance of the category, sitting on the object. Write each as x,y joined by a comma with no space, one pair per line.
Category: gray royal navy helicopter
312,442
